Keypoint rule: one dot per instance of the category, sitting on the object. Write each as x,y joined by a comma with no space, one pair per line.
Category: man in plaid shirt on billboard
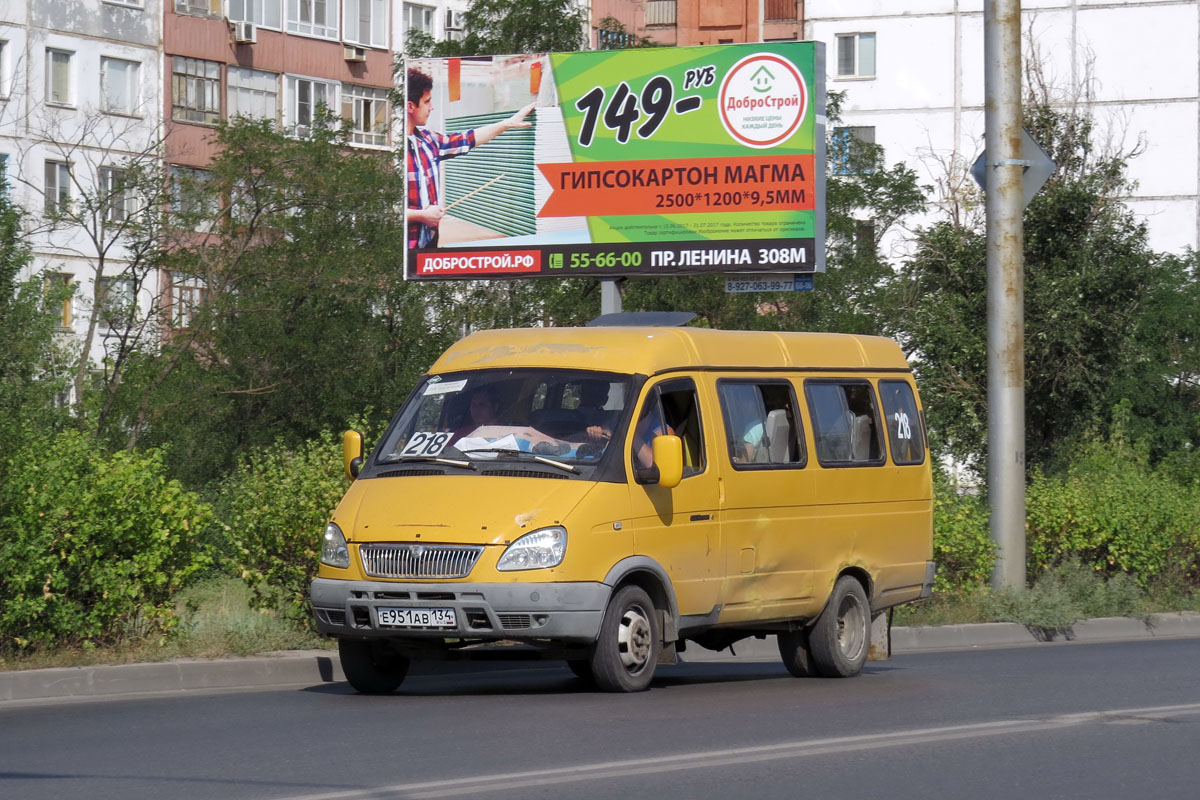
425,151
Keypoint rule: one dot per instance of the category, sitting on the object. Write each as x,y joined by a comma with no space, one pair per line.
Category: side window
904,424
670,408
761,424
845,423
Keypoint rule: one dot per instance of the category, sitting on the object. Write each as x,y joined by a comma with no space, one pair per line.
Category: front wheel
627,650
372,666
842,636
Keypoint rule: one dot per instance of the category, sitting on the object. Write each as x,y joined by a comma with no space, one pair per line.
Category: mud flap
881,637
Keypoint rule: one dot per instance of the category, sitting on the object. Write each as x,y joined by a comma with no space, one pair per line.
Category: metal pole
1006,289
610,296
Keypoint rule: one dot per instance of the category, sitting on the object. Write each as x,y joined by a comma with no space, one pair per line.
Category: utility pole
1005,289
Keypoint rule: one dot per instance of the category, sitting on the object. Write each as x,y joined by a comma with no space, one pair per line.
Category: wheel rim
634,638
851,632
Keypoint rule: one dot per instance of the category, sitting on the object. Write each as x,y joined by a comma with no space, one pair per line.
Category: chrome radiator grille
419,560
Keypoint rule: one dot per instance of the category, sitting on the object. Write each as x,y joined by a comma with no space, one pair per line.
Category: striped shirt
426,149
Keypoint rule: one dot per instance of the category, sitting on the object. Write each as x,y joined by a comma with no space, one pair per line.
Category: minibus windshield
563,417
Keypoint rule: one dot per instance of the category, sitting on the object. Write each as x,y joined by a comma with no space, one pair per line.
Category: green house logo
762,80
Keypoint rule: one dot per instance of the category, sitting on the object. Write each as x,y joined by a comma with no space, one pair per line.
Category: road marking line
748,755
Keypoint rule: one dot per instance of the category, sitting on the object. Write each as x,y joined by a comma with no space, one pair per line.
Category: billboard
653,161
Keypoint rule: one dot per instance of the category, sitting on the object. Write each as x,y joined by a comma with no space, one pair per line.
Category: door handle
700,517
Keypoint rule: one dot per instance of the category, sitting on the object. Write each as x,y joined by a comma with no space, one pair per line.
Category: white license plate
416,617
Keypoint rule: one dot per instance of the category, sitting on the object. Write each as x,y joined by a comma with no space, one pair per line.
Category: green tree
1100,323
504,27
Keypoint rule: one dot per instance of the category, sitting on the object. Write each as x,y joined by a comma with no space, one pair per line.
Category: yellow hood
455,509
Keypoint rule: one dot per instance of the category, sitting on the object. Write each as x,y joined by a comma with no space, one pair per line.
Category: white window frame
864,59
198,8
114,288
233,89
185,294
291,108
302,19
200,90
125,3
118,203
52,87
266,14
5,74
359,99
421,8
372,13
133,87
57,186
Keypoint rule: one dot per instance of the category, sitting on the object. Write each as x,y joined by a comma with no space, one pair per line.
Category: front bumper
569,613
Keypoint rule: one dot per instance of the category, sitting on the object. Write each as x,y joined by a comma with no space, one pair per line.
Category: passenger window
761,424
845,422
671,408
904,424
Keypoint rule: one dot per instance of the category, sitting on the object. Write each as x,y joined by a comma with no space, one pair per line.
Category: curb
308,667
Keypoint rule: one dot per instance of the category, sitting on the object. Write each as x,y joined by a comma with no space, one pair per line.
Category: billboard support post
610,296
1005,290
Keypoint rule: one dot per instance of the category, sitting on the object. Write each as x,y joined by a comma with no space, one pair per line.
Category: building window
201,8
60,289
195,90
263,13
114,297
58,77
5,76
185,293
119,85
128,3
365,22
776,10
58,187
252,93
190,198
116,199
313,18
864,238
419,18
845,155
856,55
367,109
660,12
306,97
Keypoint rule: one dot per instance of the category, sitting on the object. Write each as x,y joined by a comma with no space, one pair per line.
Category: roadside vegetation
173,509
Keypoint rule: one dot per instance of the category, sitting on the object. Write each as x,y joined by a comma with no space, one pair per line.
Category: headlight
537,550
333,550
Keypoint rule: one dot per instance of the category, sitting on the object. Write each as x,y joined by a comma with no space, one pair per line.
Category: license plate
416,617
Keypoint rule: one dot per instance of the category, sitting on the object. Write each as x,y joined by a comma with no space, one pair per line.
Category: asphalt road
1097,721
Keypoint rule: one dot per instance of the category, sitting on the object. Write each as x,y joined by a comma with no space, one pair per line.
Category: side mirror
668,460
352,459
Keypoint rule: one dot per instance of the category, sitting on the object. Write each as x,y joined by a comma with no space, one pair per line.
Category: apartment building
695,22
79,101
913,74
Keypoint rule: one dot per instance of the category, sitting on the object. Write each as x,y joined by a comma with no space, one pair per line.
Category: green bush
1116,512
92,546
1067,593
962,544
276,505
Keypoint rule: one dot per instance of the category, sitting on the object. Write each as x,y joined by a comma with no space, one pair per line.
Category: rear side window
761,424
905,431
845,423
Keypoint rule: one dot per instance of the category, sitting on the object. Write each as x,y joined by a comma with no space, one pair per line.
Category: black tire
797,654
372,667
841,639
627,649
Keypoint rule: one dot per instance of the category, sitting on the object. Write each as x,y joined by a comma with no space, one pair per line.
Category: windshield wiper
509,451
453,462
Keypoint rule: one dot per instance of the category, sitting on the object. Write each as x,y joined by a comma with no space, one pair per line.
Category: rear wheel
372,666
796,654
627,650
842,636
